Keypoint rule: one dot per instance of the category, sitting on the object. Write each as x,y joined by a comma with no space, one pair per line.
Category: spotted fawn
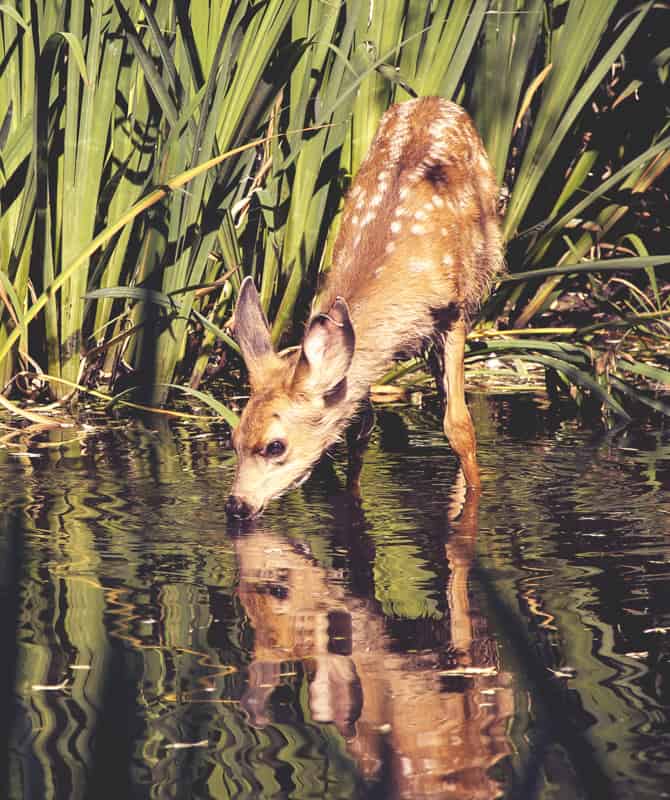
418,247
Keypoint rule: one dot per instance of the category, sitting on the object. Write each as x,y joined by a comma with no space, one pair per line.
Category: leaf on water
49,687
466,672
185,745
563,672
51,422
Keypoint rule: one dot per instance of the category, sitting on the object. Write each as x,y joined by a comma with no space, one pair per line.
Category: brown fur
419,234
455,168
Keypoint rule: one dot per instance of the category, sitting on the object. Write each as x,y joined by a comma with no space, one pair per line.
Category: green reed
122,250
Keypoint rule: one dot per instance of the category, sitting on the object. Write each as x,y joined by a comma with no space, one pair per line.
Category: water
424,645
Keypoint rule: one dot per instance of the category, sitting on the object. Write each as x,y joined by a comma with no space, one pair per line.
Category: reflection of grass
559,523
74,598
402,577
568,542
122,589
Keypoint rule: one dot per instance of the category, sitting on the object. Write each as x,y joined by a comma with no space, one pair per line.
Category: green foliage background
152,154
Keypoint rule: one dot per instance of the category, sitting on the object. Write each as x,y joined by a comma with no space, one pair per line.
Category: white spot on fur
401,130
355,220
390,247
360,202
376,200
438,202
404,191
382,175
420,215
367,219
444,232
400,211
378,272
396,227
417,230
438,128
418,265
448,260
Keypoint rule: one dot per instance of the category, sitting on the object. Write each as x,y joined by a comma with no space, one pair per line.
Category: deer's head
297,404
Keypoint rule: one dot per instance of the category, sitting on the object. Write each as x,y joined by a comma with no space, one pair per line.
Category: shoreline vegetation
153,155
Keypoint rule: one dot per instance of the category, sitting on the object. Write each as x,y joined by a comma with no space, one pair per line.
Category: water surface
424,644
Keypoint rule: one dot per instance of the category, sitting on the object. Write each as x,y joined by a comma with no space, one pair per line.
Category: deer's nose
237,507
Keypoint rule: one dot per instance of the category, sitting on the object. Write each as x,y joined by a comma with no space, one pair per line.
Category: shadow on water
427,643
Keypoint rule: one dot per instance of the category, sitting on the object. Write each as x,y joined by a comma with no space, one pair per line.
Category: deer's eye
275,448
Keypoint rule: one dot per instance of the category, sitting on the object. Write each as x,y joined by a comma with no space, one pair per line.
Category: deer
418,248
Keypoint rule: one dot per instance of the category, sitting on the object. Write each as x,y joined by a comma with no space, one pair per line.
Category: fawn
418,247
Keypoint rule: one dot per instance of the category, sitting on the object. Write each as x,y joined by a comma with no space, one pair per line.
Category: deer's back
419,228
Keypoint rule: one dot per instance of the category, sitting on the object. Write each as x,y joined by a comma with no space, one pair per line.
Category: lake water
425,644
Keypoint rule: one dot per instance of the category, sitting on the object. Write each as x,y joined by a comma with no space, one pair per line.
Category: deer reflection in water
413,726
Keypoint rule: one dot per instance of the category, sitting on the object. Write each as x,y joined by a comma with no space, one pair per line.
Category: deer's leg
358,438
458,425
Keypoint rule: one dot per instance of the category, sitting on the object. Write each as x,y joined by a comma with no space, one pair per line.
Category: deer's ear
252,332
327,350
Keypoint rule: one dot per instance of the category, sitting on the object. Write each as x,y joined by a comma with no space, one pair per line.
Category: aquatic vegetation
152,156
